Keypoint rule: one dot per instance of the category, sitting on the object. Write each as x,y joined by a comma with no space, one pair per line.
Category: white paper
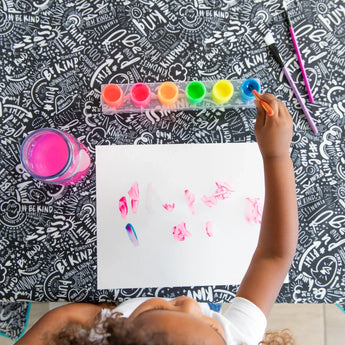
163,173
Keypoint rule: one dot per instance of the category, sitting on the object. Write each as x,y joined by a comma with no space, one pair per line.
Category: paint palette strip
174,96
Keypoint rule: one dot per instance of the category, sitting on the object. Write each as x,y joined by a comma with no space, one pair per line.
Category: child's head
181,319
155,321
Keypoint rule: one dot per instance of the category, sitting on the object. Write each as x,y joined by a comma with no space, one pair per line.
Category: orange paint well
168,93
113,96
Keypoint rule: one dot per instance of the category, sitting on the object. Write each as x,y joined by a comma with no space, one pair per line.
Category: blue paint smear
132,234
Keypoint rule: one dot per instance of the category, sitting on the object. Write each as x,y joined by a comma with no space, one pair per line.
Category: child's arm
56,319
279,228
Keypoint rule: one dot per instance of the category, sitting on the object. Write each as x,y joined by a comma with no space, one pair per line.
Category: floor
311,324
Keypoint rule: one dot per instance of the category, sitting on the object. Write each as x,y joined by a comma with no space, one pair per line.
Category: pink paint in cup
140,95
55,157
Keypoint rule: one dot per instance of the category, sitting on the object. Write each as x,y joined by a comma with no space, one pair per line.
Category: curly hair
121,331
118,331
283,337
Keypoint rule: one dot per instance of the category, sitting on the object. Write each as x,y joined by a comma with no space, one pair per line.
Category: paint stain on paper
209,229
180,232
148,202
253,210
132,234
223,191
123,208
190,198
134,195
209,201
169,207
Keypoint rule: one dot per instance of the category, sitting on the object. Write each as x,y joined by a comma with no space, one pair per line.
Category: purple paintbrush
269,40
297,50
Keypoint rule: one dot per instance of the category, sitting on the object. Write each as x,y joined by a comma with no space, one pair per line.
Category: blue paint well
246,89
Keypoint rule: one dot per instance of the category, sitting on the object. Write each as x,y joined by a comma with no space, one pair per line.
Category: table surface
56,55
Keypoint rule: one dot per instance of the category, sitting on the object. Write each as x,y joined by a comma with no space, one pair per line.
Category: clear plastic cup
246,90
168,93
113,95
222,91
140,95
195,92
55,157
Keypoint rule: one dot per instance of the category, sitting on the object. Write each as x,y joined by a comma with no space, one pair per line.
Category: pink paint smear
190,198
253,212
169,207
223,191
123,208
209,229
180,232
134,195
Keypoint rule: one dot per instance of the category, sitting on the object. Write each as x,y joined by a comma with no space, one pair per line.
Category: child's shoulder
83,313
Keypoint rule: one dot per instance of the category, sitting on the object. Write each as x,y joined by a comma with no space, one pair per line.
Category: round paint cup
195,92
167,93
246,89
140,95
54,157
222,91
113,96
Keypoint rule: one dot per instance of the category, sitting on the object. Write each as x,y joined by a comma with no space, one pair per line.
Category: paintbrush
263,103
286,3
269,40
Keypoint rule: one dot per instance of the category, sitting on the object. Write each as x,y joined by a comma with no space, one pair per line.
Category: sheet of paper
221,238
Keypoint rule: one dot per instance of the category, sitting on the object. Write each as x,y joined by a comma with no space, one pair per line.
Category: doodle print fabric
13,319
56,55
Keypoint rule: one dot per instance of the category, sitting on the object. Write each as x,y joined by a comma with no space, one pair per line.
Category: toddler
182,320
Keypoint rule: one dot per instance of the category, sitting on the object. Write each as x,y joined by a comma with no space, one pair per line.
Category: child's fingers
261,114
272,101
285,115
284,110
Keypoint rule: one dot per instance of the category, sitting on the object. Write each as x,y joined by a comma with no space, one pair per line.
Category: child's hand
273,133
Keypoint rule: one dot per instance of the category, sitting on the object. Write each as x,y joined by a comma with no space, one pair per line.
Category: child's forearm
278,236
279,227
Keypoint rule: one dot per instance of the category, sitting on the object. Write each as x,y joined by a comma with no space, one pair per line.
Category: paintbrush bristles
269,40
274,50
285,5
